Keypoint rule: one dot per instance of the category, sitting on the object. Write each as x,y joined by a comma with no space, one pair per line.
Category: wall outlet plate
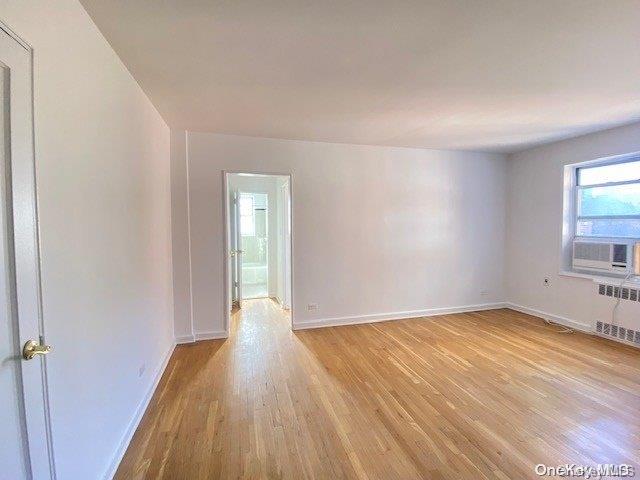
312,306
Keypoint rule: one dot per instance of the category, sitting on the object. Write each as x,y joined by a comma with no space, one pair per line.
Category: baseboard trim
567,322
384,317
212,335
185,339
135,421
281,303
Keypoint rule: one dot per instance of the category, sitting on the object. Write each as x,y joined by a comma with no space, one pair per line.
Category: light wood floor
467,396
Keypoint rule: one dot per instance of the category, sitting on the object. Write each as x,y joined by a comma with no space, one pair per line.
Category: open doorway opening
254,244
258,242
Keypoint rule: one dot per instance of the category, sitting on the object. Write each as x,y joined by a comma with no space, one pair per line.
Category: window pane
247,217
608,201
618,172
247,227
607,227
246,205
259,200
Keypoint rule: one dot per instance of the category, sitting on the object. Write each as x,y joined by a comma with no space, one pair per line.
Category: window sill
613,279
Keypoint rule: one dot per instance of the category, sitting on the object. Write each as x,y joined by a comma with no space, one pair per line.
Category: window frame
569,215
577,188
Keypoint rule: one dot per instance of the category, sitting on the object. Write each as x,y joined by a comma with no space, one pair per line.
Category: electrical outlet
141,370
546,282
312,306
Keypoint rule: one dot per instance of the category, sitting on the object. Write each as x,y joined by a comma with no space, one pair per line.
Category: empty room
382,240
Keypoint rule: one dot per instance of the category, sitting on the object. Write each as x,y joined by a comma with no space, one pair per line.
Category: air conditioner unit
602,256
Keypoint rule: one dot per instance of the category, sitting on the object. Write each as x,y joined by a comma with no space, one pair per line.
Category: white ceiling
494,75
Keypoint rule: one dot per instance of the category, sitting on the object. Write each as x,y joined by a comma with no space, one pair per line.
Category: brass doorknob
33,348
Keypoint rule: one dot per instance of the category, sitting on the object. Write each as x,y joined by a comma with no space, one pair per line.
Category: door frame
284,193
44,468
226,244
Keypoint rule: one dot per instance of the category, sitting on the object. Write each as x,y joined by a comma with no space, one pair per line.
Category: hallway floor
254,290
482,395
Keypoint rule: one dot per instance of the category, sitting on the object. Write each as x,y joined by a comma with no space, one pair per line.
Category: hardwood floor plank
479,395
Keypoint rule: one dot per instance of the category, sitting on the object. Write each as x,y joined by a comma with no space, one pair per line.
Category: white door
24,444
236,250
231,199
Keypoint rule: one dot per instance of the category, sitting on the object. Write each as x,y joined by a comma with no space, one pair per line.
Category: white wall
377,230
534,223
102,158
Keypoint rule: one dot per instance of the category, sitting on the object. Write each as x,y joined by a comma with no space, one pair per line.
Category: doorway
258,233
254,244
25,434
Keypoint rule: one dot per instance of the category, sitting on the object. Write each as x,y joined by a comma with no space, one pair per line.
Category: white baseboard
185,339
213,335
567,322
383,317
281,303
135,421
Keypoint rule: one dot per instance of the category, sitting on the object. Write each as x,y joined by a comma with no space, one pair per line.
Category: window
247,216
608,200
